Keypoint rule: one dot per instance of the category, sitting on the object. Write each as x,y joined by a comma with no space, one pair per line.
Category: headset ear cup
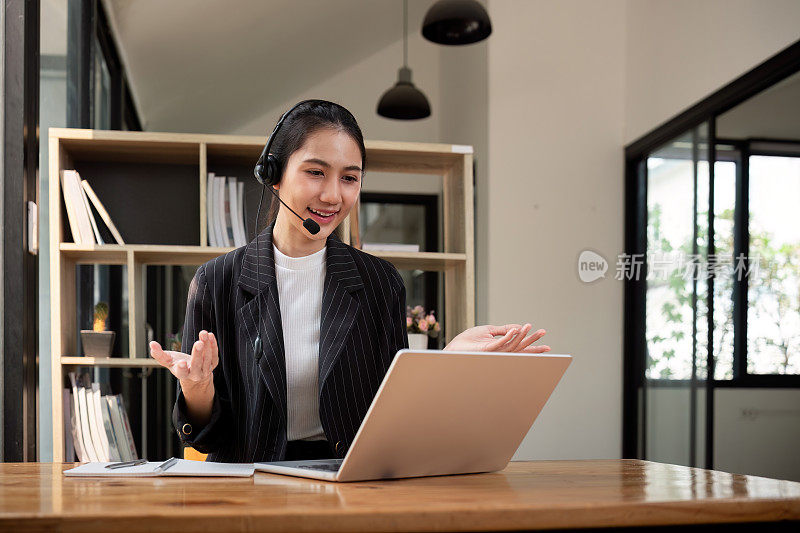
258,171
272,169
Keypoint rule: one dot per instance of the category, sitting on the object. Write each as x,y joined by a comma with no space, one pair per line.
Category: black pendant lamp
456,22
404,101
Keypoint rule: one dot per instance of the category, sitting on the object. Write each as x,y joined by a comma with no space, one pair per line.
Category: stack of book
79,198
225,208
98,424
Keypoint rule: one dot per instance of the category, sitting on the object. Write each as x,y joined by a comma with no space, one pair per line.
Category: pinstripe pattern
362,327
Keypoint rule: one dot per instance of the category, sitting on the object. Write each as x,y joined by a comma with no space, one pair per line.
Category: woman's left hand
481,339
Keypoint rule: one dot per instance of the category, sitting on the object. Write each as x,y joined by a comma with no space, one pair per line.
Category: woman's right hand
192,370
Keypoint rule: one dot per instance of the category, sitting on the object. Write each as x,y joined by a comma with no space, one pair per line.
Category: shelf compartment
128,147
148,201
412,158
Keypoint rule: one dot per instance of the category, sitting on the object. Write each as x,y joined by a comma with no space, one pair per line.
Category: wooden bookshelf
144,167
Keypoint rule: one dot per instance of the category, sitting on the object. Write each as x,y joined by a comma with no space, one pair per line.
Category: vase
418,341
97,343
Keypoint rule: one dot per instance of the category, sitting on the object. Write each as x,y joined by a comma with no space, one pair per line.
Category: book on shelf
95,232
74,425
88,397
105,414
97,424
101,210
120,434
76,212
225,212
99,427
240,209
219,209
83,420
69,443
227,219
120,407
211,224
389,247
233,202
79,199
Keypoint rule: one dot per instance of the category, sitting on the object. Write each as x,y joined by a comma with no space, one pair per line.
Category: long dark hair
308,117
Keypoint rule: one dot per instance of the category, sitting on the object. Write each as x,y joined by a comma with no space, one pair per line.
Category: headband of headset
267,169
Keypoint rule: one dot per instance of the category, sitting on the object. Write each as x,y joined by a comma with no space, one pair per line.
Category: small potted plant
97,342
420,325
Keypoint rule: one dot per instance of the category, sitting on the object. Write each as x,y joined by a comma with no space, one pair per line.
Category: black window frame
19,367
87,20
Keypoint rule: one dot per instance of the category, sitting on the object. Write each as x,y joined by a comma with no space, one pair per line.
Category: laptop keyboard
332,466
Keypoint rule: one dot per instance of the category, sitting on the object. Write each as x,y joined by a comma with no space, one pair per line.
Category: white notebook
182,468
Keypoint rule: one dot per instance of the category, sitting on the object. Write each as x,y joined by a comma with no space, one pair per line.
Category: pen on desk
166,464
127,463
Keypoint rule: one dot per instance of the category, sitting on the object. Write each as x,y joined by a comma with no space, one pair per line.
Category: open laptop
440,412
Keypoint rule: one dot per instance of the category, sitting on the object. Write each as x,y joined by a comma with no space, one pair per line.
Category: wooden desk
526,495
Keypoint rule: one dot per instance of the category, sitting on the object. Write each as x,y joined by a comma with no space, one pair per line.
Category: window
773,302
711,214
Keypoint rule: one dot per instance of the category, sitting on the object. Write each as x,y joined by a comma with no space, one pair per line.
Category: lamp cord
405,33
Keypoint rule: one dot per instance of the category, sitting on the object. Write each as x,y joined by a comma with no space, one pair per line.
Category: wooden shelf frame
110,362
456,261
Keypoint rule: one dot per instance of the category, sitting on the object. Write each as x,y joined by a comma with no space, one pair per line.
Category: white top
300,283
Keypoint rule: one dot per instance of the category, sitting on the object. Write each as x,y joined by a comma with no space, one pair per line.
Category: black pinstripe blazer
363,326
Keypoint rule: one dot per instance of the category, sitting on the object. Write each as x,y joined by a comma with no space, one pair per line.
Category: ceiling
772,113
212,60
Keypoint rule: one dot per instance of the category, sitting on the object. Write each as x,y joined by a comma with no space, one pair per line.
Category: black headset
267,169
268,172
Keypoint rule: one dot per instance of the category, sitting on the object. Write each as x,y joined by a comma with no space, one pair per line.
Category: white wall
464,119
680,51
556,116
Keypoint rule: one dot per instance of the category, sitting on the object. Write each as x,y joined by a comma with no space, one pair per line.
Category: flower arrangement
418,321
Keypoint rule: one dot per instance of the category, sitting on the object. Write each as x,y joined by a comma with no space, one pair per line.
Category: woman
329,318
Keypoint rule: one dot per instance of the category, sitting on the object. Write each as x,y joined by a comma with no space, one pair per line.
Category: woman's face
324,175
